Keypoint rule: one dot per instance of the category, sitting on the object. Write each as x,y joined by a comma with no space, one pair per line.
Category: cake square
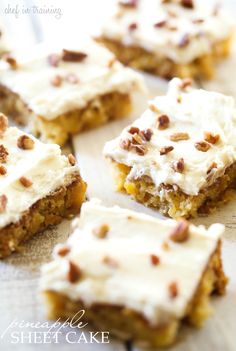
134,275
179,156
169,38
38,187
66,89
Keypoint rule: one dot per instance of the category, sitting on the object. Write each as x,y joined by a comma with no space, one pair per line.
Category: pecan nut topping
179,136
165,150
179,165
72,159
25,142
163,122
3,170
128,3
25,182
74,273
173,290
101,231
155,260
211,138
202,146
180,233
73,56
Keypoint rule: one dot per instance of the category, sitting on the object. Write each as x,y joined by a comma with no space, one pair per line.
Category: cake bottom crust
139,58
170,200
64,202
131,325
104,108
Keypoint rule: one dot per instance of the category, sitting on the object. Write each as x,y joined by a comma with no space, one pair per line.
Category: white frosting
198,112
43,165
164,41
135,282
32,79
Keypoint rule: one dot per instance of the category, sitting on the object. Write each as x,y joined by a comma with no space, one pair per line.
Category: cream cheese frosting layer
36,80
118,269
43,165
170,29
195,113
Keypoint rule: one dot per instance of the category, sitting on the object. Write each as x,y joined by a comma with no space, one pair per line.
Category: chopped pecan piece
165,150
146,134
179,165
25,182
63,251
187,3
165,246
136,139
160,24
212,166
3,154
54,60
153,108
10,60
3,203
72,78
25,142
3,123
125,144
111,262
3,170
179,136
133,26
140,149
202,146
173,290
74,272
72,159
101,231
181,232
198,21
210,138
163,122
73,56
155,260
128,3
56,80
185,40
133,130
186,82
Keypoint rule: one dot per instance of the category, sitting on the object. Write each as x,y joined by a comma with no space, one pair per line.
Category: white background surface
19,274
